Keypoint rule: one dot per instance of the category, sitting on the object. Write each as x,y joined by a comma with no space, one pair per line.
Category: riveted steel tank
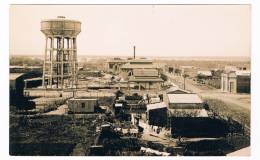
61,27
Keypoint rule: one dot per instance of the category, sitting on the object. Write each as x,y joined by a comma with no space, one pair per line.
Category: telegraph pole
184,78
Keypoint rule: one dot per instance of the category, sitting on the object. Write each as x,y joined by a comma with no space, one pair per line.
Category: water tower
60,57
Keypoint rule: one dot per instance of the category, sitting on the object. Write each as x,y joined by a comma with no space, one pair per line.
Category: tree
164,77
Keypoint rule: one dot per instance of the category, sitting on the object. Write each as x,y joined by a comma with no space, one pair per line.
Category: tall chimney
134,52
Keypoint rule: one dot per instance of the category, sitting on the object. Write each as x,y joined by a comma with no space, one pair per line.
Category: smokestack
134,52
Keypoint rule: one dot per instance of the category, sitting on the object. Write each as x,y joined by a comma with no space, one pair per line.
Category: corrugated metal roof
145,72
156,106
184,98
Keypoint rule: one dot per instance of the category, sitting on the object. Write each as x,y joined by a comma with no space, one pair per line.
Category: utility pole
184,78
134,52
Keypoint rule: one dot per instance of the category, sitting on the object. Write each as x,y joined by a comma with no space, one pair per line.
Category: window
82,105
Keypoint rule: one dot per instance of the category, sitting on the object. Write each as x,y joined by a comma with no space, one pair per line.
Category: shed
82,105
16,81
157,114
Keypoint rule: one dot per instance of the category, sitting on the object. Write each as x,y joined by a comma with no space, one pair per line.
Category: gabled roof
184,98
176,90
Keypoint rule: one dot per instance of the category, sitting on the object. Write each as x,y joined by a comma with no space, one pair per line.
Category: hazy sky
156,30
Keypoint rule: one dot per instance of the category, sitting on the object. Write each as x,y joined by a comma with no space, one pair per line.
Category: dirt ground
59,111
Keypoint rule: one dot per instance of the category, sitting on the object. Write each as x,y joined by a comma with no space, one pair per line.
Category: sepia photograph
130,80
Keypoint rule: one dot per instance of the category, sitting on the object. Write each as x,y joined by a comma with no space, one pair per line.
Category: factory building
115,64
82,105
146,79
138,64
238,81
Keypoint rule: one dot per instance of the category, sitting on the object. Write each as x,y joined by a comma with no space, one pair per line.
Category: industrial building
21,81
16,91
115,64
146,79
238,81
188,118
186,105
138,64
60,58
82,105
